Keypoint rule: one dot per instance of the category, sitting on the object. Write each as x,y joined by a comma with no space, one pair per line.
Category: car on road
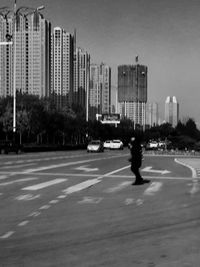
116,144
107,144
95,146
10,146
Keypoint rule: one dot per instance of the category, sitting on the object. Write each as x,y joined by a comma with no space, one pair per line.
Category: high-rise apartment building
171,110
132,92
6,58
63,57
81,77
152,114
99,90
32,55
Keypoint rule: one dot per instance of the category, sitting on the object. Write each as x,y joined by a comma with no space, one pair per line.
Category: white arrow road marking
86,169
149,169
153,188
45,184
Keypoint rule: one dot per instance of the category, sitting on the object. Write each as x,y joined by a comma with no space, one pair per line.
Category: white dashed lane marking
23,223
7,235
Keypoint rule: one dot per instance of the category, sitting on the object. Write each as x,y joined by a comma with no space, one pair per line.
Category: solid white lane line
45,184
194,173
7,235
18,166
64,164
115,171
153,188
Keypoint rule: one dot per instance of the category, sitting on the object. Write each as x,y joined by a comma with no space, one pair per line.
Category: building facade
171,110
99,90
132,92
63,68
32,55
152,114
81,77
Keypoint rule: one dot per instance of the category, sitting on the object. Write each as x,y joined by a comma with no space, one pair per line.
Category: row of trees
40,122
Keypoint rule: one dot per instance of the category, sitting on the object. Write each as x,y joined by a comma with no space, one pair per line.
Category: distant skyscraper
152,114
81,77
132,92
100,90
63,57
171,111
32,37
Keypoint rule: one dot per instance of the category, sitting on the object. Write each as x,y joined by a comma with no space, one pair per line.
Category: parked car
95,146
10,146
107,144
116,144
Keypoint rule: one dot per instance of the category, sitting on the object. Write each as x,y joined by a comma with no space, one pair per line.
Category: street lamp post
4,11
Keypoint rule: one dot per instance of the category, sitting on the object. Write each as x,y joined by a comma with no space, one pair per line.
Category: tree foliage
40,122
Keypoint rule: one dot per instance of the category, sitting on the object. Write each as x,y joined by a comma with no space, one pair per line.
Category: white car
116,144
107,144
95,146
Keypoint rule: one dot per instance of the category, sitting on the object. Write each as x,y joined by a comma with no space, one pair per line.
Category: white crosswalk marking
45,184
81,186
118,187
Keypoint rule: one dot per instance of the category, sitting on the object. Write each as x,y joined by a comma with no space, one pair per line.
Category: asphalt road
80,209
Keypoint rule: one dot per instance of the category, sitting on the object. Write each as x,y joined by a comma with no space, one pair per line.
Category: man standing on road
136,160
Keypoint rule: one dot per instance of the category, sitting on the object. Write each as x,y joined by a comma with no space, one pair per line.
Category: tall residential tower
32,37
100,90
172,111
63,58
132,92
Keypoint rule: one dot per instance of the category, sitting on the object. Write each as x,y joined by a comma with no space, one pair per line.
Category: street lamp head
40,8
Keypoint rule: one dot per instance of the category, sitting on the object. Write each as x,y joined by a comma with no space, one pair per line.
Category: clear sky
165,34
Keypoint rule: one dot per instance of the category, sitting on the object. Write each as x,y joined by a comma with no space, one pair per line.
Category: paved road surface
80,209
